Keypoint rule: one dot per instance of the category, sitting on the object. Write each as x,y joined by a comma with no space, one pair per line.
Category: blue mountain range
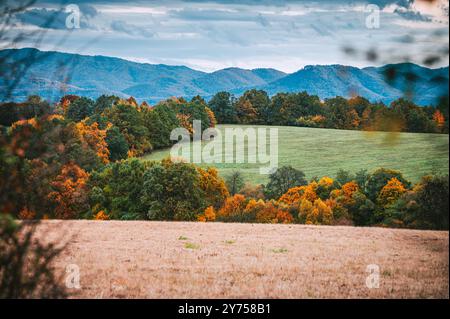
54,74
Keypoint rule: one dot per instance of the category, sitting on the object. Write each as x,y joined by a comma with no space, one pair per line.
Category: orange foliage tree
296,194
95,138
70,192
211,116
439,119
269,212
208,216
233,209
214,188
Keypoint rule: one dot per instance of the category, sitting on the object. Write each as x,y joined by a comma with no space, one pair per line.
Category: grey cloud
130,29
54,19
213,15
88,10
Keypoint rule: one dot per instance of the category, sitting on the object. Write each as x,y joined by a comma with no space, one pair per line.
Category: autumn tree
315,213
439,119
95,138
379,178
391,192
70,192
213,187
233,210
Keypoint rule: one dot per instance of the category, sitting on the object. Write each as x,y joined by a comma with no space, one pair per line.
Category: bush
234,210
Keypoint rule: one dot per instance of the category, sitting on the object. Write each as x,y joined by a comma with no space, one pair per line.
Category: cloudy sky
213,34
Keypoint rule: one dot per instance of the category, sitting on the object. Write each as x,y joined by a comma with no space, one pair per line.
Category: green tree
130,122
117,144
222,106
80,109
160,121
429,208
105,101
172,192
117,189
282,180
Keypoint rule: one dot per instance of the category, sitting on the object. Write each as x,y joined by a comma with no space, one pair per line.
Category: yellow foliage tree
318,213
391,192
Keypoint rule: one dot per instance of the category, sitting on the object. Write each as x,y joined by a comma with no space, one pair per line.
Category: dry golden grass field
135,259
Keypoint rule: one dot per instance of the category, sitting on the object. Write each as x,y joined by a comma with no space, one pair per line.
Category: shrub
318,213
233,210
208,216
269,212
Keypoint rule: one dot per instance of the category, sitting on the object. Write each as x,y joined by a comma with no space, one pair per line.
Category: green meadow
320,152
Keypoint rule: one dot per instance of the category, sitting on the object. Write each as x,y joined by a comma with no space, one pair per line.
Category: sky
208,35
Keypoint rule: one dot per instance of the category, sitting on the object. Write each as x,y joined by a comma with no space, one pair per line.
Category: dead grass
214,260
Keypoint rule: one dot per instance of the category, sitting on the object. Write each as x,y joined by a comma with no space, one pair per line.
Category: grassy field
140,259
320,152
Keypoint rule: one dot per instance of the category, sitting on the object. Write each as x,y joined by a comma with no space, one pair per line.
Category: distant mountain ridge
55,74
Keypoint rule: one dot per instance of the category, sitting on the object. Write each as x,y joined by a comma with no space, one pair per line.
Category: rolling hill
320,152
53,74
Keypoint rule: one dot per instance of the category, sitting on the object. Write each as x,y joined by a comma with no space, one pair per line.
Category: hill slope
320,152
54,74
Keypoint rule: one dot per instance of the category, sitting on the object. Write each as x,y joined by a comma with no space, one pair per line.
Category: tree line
302,109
